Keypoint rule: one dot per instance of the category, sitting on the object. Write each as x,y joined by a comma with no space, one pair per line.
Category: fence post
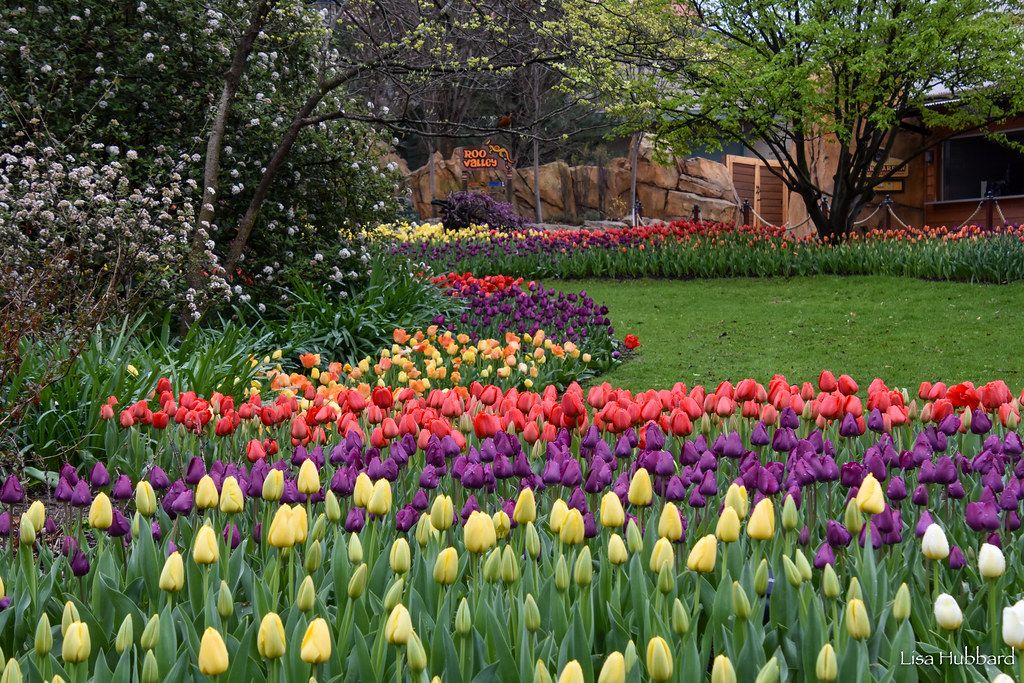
886,203
990,207
745,209
696,213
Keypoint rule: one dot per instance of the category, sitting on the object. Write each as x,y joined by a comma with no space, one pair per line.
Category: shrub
463,209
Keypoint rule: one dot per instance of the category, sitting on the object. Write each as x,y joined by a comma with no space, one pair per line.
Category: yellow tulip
399,625
662,555
37,514
273,485
722,670
282,533
659,659
231,499
300,523
145,499
526,507
204,548
309,477
614,669
670,526
617,553
612,515
857,624
380,499
446,566
478,534
172,577
572,529
736,498
826,668
270,641
641,492
316,643
502,525
206,493
442,513
213,655
869,496
101,514
77,644
363,490
572,673
400,557
728,528
761,525
557,515
702,557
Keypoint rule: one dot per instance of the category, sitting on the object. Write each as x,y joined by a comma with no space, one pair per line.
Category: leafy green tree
784,77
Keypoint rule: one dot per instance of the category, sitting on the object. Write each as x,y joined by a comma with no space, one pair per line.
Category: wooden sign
486,157
893,186
888,167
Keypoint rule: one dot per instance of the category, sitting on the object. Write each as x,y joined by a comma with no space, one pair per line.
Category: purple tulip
956,558
99,476
79,563
11,493
825,555
981,516
122,489
355,521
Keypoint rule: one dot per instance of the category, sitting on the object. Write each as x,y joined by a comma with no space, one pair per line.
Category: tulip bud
761,525
225,601
172,577
151,634
509,566
478,533
769,673
446,567
415,654
702,557
26,531
306,597
319,527
853,519
666,579
442,513
722,670
400,557
728,528
12,672
670,526
857,624
614,669
502,524
826,668
273,485
424,530
947,612
901,604
332,507
206,493
540,672
492,565
680,618
532,541
137,520
800,560
584,570
355,549
991,562
44,636
316,643
101,513
792,573
561,575
398,628
634,541
531,614
205,548
77,644
853,592
761,579
740,603
314,556
617,553
790,514
934,545
150,668
830,583
393,596
125,634
270,640
145,499
463,621
526,507
659,659
357,584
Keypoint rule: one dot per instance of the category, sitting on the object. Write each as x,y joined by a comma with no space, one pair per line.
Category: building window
975,165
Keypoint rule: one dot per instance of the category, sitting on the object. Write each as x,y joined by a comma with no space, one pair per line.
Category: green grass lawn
901,330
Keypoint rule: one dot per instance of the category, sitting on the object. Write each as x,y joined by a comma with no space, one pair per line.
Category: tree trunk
431,178
215,144
538,212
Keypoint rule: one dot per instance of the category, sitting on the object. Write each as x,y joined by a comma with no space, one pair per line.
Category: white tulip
1002,678
934,544
991,562
1013,625
947,612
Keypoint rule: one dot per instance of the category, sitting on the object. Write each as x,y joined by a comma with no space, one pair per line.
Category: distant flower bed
690,250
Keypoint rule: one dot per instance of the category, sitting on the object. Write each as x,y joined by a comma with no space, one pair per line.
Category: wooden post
886,203
696,213
745,209
990,207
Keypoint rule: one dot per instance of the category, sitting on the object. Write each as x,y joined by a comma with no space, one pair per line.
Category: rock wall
576,193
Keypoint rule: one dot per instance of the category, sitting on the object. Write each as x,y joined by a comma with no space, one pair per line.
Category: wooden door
766,193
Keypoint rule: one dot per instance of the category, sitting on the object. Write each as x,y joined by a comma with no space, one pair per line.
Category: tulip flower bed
707,250
749,532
